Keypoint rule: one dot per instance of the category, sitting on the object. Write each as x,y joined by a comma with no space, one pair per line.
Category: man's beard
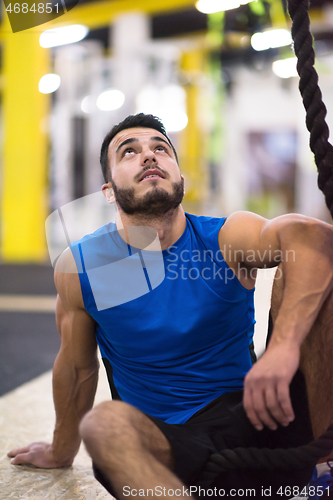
154,204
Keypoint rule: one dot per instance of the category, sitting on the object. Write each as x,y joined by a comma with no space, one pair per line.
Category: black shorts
223,424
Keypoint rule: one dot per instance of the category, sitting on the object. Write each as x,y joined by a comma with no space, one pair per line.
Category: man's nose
147,156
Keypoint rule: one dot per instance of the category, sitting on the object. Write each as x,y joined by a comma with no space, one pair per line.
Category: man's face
145,174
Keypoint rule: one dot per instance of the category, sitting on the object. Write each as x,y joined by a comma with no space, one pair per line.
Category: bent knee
117,426
109,417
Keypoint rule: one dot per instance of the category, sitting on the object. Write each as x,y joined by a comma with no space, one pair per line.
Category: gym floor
29,343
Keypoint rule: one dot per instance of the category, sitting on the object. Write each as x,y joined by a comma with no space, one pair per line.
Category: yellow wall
24,158
192,146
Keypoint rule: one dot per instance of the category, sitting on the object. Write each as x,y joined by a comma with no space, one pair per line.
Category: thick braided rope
312,97
269,459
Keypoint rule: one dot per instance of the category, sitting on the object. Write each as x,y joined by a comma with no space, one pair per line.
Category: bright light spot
285,68
168,103
63,36
110,99
271,39
212,6
174,93
174,121
147,101
49,83
88,104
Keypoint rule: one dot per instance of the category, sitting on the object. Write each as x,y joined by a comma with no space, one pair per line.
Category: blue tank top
185,340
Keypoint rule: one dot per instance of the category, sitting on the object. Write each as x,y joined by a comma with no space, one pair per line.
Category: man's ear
183,179
108,193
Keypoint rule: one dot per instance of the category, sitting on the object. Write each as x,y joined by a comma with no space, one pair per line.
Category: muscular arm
304,247
75,375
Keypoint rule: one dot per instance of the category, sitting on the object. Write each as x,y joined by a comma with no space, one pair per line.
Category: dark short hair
132,121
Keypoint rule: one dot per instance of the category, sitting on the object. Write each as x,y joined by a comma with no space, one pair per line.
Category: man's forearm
308,279
73,393
305,250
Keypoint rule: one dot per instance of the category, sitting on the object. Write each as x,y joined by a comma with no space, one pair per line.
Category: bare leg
316,360
129,449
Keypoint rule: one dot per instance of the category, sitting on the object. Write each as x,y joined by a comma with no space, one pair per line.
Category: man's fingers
249,407
279,404
272,407
37,454
13,453
269,406
21,458
251,412
260,407
283,395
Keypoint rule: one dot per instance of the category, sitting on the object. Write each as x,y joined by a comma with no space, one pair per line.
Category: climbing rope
312,97
265,458
295,458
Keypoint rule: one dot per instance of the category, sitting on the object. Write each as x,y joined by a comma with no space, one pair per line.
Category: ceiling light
174,93
271,39
285,68
174,121
110,99
49,83
168,103
88,104
63,36
212,6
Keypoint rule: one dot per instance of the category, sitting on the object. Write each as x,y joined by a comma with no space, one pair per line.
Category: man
177,356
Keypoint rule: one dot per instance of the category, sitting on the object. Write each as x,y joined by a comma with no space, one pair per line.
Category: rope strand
267,459
312,97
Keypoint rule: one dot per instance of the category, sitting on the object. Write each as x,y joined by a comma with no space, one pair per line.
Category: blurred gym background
222,76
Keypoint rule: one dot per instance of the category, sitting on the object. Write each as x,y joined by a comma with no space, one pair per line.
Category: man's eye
161,148
128,150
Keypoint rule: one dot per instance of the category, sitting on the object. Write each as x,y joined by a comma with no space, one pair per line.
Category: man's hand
38,454
266,386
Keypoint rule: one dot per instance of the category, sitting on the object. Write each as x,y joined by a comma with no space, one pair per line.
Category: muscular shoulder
75,325
246,232
67,282
240,226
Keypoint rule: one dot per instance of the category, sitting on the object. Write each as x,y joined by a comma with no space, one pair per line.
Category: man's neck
169,228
